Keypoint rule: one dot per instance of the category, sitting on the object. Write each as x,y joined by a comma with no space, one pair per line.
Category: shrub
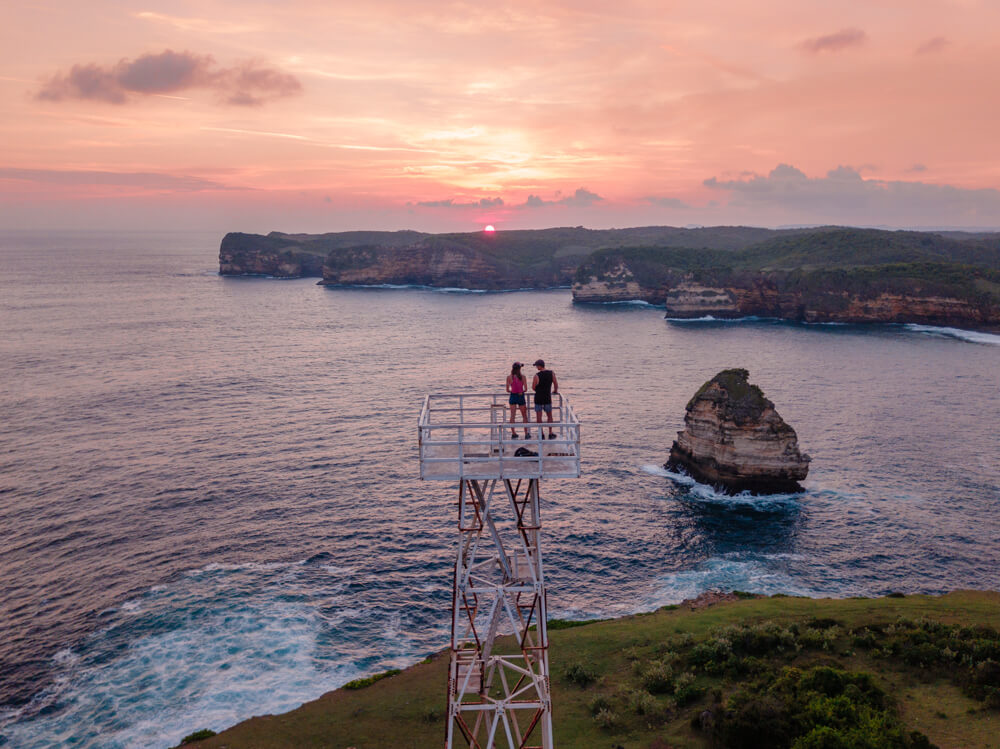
658,678
204,733
579,674
816,708
986,683
643,703
685,691
606,719
368,681
923,654
599,703
715,651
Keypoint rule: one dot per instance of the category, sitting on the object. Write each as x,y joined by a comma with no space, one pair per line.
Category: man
544,384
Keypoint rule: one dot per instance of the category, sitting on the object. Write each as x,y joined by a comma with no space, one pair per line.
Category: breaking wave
972,336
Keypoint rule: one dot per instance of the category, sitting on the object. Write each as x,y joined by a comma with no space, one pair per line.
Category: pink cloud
836,42
931,46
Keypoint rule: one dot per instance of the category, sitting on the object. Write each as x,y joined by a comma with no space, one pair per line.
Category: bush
712,654
817,708
658,678
685,691
368,681
579,674
599,703
204,733
643,703
606,719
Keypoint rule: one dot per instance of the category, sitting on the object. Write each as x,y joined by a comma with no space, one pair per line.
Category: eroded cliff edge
734,438
832,275
502,260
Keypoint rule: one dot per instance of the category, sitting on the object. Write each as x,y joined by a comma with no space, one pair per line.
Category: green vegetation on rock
741,402
369,680
204,733
826,268
904,672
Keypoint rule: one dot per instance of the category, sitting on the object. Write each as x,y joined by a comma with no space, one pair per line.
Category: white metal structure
498,687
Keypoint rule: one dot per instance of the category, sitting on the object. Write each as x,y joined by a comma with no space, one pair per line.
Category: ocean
209,496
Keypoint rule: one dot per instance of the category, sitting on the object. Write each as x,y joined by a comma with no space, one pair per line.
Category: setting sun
489,228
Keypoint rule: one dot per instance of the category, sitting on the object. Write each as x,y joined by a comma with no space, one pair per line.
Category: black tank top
543,393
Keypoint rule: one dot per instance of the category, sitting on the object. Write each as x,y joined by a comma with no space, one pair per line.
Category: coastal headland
909,671
828,274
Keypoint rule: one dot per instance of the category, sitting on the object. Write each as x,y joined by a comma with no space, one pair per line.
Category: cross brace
498,679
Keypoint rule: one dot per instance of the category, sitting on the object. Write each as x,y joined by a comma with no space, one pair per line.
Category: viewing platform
468,436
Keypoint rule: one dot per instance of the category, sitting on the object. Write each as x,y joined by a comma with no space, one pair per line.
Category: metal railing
468,435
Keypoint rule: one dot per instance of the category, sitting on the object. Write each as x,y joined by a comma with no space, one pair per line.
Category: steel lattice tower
498,679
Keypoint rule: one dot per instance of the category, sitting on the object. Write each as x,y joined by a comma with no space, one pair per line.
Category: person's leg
538,419
524,418
513,415
552,435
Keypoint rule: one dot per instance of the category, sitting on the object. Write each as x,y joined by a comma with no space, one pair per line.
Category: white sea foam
438,289
710,318
251,566
335,570
680,478
634,303
217,646
972,336
708,493
724,573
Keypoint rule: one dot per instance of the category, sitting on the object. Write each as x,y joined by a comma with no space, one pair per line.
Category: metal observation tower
498,680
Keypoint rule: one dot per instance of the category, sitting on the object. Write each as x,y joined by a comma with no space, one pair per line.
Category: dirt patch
712,597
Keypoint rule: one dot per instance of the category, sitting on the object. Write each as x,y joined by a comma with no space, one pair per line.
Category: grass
911,664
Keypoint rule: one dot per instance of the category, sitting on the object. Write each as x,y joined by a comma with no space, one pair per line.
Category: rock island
733,437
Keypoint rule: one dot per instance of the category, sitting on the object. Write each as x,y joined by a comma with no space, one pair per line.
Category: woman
517,384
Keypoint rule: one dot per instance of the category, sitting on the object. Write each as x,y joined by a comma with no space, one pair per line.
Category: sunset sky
303,115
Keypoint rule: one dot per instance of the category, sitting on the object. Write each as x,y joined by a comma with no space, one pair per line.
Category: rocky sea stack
733,438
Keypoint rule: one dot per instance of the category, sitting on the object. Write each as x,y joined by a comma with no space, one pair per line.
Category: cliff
293,255
733,437
502,260
926,652
254,255
440,263
831,275
887,300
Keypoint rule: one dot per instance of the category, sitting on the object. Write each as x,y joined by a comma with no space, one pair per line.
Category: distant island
828,274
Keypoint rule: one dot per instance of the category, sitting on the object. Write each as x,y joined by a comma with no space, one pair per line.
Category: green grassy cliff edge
913,671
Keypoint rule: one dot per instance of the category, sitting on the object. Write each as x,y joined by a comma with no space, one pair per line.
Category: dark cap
539,363
518,364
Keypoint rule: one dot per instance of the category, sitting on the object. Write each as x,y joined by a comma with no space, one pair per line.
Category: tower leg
498,679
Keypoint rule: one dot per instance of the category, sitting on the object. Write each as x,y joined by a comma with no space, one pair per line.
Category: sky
303,115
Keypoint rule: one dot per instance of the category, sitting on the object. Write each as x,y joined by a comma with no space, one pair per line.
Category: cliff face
255,255
771,295
437,264
762,297
733,437
618,285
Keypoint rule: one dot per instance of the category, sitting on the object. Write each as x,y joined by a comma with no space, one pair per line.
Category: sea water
209,495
